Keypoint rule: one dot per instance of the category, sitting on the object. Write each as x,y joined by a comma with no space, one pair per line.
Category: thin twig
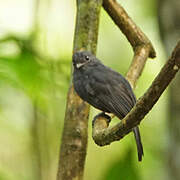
104,135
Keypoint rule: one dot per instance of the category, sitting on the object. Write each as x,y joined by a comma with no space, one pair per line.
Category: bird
104,89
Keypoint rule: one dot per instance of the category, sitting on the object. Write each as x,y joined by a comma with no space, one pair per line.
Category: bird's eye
87,58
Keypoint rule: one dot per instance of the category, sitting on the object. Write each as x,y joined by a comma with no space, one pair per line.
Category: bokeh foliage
34,77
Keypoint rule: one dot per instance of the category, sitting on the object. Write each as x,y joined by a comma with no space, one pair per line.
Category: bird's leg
110,115
102,116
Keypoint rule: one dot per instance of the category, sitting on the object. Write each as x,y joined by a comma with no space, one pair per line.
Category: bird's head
82,58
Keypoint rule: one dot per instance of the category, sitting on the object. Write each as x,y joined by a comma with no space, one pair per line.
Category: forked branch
140,43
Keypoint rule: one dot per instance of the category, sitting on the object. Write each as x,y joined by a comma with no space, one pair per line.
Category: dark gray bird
104,89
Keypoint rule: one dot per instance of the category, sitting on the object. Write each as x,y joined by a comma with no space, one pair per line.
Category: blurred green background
36,40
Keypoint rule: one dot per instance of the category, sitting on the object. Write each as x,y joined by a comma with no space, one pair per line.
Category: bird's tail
138,142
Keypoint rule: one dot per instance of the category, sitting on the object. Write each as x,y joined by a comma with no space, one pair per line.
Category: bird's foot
101,115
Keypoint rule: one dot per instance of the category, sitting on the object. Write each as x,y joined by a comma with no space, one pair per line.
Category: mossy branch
74,139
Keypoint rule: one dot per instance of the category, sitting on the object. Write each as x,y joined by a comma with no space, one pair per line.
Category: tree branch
137,65
104,135
75,132
132,32
141,44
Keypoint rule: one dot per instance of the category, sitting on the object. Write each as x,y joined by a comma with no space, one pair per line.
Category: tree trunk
74,139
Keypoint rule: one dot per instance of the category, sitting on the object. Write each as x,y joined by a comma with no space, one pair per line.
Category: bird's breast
80,80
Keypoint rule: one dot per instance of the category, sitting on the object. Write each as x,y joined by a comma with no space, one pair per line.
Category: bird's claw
102,114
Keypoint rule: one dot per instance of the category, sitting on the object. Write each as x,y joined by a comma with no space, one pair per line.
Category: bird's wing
110,92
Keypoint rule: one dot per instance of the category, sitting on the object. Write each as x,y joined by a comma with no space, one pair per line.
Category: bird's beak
78,65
